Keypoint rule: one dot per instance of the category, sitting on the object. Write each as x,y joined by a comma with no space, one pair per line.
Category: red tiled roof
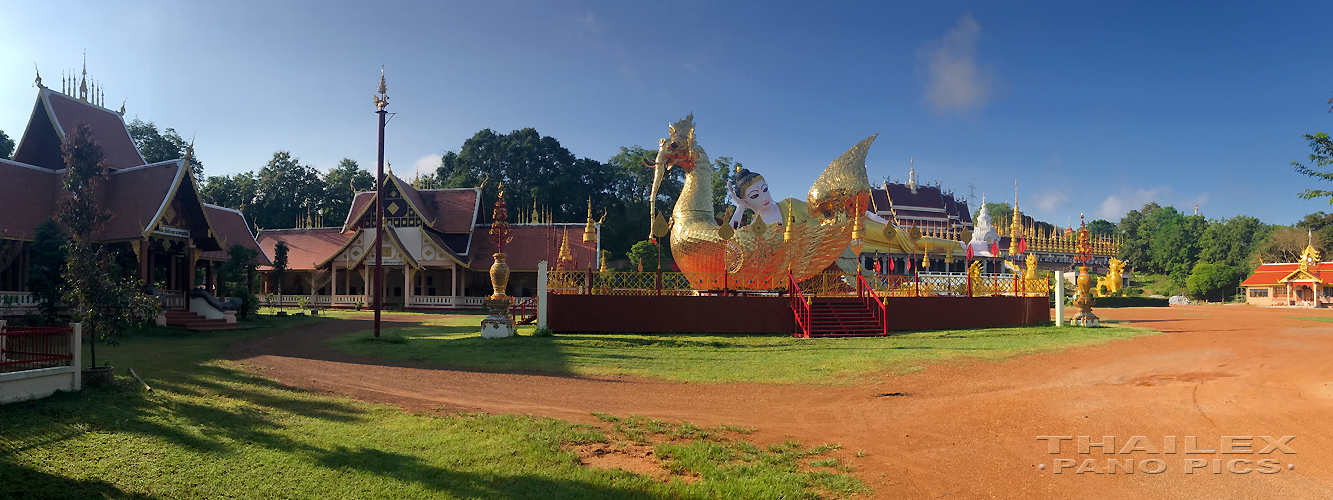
359,202
1270,274
230,228
879,200
27,198
925,197
134,196
305,247
107,126
457,207
530,244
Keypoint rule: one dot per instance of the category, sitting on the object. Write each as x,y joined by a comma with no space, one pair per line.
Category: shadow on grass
22,482
471,485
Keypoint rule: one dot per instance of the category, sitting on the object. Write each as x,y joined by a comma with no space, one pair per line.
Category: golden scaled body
762,253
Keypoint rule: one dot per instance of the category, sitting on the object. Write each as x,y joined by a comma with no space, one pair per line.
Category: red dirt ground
964,429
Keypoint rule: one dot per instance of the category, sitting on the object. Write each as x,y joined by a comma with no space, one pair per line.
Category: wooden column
191,259
141,251
333,284
409,282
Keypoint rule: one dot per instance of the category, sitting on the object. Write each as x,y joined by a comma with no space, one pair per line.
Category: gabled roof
27,198
55,115
446,217
529,245
1280,274
306,248
230,228
926,197
135,197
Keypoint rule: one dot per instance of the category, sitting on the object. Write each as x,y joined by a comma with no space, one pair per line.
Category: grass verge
213,429
454,342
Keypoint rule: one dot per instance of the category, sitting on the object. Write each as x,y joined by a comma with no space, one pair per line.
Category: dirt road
969,429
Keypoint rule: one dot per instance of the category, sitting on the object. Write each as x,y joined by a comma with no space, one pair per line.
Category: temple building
929,208
1306,282
437,252
159,226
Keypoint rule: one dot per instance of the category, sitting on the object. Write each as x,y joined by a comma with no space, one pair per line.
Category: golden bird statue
816,232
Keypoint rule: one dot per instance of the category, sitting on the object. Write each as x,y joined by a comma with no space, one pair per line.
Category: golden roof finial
382,100
589,232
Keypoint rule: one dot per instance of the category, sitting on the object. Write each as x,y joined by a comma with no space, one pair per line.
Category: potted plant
302,303
358,305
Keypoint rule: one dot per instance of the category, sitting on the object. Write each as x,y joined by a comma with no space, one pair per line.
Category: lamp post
381,101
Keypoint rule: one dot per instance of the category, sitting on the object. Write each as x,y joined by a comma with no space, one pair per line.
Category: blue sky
1092,108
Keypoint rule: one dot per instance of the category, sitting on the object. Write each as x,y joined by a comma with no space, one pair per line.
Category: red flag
1023,245
890,265
877,268
995,248
969,252
909,264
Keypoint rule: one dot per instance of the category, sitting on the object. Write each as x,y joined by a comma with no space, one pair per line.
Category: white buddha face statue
757,197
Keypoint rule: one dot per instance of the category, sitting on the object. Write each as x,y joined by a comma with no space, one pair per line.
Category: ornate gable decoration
1309,257
398,211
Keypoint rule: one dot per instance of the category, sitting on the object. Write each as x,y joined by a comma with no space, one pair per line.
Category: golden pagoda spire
589,232
565,255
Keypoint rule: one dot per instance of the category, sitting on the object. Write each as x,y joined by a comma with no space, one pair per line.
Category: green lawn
211,429
455,342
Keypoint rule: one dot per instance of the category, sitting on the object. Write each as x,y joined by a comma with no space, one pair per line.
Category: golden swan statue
811,235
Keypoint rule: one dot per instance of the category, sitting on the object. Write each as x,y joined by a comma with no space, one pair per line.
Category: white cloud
1051,200
1115,206
954,81
589,23
426,165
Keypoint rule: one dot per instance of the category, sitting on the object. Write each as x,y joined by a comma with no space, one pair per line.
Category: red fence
30,348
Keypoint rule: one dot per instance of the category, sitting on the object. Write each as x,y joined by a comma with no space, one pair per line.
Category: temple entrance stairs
843,317
180,318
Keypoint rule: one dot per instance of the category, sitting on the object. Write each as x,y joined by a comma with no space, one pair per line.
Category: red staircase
842,317
180,318
860,316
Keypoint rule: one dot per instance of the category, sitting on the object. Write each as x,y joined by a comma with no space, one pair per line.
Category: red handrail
26,348
872,302
799,307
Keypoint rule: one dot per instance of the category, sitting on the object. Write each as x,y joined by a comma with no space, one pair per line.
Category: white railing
348,300
432,301
472,301
172,299
17,302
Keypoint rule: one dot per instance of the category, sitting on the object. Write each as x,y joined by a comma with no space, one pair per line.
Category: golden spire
382,100
789,234
83,83
589,232
565,254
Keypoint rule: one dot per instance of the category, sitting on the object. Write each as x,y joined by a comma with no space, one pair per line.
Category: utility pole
381,101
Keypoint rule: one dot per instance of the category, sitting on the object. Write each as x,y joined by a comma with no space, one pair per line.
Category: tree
1209,280
6,146
285,191
236,277
167,145
643,255
1232,241
279,265
1136,234
340,185
1286,244
1321,156
231,191
45,269
105,302
1102,227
